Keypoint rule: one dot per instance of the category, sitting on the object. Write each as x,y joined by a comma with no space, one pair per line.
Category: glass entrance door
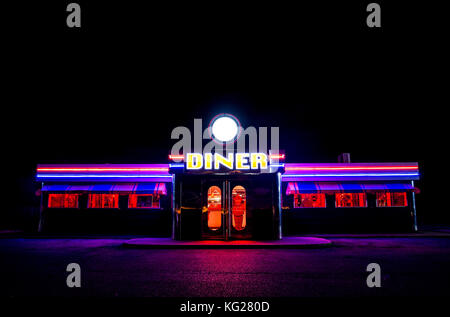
240,220
214,209
225,214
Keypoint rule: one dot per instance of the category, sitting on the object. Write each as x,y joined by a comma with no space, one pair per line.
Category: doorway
224,213
227,206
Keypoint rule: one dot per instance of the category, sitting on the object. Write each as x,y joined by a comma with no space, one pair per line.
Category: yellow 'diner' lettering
239,161
194,161
220,160
258,159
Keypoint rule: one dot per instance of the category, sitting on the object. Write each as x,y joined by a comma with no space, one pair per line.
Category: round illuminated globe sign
225,128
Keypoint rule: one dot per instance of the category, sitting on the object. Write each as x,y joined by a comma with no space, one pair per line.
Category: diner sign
232,161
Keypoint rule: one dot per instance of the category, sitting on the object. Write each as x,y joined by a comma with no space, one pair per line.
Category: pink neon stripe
351,168
162,169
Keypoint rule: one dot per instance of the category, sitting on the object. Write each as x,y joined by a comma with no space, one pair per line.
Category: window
214,208
238,210
62,200
387,199
309,201
103,201
351,200
143,201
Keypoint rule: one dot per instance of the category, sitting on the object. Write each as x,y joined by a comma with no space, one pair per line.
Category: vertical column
280,220
229,219
174,212
414,207
177,206
41,210
226,208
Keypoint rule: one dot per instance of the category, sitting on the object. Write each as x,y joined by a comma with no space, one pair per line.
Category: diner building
233,195
267,202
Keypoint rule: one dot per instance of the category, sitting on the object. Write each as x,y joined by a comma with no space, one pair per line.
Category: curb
307,243
374,236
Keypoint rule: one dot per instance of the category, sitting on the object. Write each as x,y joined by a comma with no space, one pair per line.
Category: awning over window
144,188
327,187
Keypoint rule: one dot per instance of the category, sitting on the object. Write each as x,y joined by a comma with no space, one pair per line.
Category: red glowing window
309,201
143,201
351,200
214,208
103,201
63,201
387,199
238,210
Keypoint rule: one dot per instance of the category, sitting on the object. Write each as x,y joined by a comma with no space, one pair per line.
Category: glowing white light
225,129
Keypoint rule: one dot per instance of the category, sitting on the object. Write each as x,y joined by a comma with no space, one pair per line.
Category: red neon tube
176,157
100,169
352,168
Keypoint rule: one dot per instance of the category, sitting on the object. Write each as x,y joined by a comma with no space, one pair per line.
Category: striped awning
147,188
329,187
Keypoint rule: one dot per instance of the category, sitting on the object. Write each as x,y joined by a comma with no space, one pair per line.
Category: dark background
112,91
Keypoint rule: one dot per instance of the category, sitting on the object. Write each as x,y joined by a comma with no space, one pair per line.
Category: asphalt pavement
417,266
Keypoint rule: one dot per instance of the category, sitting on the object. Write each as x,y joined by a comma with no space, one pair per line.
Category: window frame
64,195
102,205
299,207
391,200
153,201
336,200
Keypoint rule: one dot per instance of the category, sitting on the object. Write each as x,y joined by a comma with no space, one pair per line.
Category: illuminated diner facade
233,196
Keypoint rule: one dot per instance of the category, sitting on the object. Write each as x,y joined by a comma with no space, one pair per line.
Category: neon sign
238,161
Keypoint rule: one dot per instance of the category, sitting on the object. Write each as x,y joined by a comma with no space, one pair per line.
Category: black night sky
113,91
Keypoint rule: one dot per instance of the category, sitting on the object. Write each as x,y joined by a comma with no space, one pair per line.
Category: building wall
155,222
